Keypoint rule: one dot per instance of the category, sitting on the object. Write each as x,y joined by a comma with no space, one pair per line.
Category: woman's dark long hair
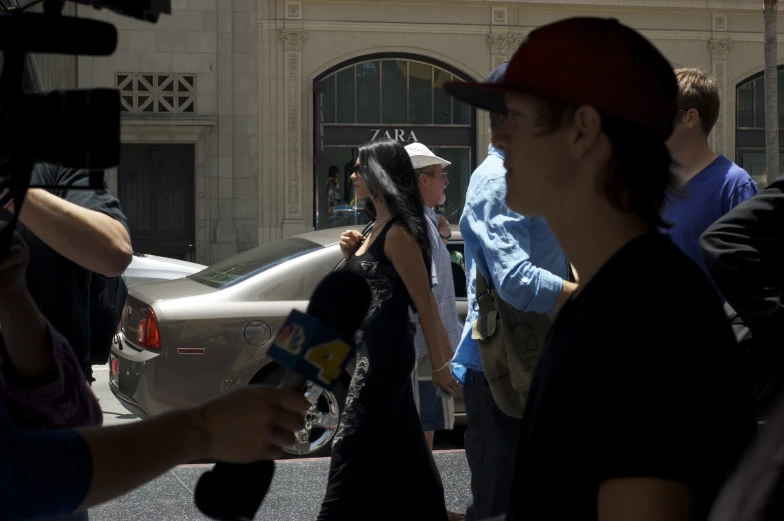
389,176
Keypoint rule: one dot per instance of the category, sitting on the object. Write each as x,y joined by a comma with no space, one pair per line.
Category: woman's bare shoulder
399,233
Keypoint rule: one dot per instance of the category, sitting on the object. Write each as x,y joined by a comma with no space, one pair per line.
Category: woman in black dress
381,466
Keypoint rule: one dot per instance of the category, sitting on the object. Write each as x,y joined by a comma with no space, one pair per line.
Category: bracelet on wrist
447,364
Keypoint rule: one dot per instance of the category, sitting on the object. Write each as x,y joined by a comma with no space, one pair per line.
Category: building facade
242,118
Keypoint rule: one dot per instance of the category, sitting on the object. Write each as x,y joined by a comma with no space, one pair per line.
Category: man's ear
692,118
586,129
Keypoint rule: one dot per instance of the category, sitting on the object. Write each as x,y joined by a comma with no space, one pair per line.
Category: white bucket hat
421,156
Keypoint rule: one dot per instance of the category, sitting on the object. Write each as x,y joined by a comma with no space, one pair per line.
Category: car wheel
321,420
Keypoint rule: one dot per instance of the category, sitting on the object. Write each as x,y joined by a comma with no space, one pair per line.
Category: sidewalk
295,495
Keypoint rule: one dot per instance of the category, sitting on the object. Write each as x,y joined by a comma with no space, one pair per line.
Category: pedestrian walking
637,410
436,409
379,453
709,185
515,271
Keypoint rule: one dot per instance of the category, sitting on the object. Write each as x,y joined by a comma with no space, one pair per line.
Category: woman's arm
406,257
61,400
41,381
45,474
24,329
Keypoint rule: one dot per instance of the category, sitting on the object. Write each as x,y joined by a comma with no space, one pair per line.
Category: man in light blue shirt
521,260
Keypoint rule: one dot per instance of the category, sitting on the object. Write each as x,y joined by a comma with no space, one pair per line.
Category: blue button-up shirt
443,289
518,256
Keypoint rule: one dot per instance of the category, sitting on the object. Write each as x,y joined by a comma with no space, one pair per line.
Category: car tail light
147,334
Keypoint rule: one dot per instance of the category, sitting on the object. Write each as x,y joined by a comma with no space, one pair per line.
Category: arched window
396,96
750,125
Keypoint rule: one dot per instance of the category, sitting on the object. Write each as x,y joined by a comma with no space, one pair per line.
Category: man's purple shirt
710,194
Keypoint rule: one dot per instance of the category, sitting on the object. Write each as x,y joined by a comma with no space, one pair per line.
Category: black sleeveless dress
381,467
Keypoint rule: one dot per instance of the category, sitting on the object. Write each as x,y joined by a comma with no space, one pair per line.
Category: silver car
187,340
144,269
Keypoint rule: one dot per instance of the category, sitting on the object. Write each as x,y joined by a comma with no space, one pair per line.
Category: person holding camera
77,238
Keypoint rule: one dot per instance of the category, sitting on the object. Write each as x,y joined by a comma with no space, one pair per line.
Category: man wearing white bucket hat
436,410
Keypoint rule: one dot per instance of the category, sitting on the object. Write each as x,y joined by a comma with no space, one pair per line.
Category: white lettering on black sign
398,134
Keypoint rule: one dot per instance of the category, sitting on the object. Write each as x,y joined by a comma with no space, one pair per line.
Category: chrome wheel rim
321,422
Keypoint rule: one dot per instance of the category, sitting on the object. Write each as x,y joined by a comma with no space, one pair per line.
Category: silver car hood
178,288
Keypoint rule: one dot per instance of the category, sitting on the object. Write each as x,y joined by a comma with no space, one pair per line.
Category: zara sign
327,135
398,134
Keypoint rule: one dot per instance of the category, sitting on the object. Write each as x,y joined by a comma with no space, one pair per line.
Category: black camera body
73,128
77,128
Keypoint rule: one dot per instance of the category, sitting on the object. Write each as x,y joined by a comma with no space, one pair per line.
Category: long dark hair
389,176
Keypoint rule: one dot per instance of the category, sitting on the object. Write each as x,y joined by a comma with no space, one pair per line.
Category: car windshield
252,262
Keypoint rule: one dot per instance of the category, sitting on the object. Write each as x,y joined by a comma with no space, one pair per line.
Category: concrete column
245,125
294,222
719,50
225,239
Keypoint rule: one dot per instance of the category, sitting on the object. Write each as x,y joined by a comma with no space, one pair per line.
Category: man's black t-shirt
59,287
640,377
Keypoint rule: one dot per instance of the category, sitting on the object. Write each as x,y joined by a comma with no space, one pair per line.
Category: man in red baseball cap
638,409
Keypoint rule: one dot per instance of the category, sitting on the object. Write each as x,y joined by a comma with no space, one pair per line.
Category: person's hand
567,290
13,268
445,379
444,228
349,242
251,424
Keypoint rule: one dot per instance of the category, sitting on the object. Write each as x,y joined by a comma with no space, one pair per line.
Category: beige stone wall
301,39
215,40
255,62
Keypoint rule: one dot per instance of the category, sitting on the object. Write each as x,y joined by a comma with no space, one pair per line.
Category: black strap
343,262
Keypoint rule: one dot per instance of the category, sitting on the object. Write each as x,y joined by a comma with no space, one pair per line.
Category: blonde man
710,184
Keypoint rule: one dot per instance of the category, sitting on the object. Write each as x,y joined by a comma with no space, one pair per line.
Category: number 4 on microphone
328,359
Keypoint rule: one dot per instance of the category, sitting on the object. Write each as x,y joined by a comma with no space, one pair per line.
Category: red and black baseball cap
586,61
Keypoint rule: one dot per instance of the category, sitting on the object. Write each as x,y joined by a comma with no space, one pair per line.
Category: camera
77,128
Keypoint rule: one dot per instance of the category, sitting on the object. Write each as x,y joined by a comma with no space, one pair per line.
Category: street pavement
295,494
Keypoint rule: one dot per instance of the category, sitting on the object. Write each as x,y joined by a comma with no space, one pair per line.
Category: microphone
313,346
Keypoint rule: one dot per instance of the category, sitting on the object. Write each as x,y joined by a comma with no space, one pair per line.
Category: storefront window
368,94
750,126
344,99
395,97
753,162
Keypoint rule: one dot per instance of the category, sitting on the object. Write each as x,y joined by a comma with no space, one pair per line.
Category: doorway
155,186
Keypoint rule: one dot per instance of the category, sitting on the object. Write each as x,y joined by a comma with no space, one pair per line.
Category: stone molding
293,10
482,30
293,43
293,40
503,43
499,16
719,21
719,51
502,46
729,6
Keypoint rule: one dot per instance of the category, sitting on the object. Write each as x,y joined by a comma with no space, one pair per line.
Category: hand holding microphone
250,424
313,346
